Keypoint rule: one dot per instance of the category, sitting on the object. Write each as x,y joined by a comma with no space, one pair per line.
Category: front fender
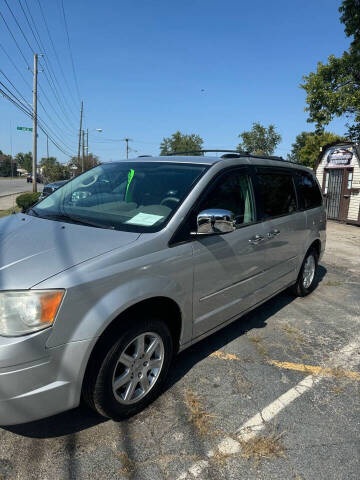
89,307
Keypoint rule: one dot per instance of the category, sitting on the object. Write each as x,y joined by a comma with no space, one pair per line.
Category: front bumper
35,381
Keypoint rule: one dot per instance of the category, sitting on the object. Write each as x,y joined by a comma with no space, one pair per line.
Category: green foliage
179,142
53,170
334,89
299,143
90,161
7,167
48,162
259,140
310,145
27,200
24,160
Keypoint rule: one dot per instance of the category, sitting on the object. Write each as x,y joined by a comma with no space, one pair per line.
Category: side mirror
215,222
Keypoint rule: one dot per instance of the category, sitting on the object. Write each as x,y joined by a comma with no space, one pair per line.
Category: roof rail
232,154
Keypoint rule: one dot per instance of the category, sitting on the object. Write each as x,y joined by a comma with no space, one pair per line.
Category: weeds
198,415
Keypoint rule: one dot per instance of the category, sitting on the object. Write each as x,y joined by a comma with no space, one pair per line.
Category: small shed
338,172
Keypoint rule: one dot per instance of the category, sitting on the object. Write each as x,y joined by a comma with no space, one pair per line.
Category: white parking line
348,357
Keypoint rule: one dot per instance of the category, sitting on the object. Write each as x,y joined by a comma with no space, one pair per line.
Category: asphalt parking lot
273,395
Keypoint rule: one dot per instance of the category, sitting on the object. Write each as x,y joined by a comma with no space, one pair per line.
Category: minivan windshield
130,196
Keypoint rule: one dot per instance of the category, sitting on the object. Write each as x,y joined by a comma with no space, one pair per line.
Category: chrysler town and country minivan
103,281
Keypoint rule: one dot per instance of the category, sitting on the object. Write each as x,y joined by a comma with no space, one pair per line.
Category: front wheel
130,371
306,280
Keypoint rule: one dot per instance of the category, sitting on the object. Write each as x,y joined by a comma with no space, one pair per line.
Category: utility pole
47,147
83,152
34,159
127,140
80,131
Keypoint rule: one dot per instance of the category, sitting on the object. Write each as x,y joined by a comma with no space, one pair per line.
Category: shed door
334,189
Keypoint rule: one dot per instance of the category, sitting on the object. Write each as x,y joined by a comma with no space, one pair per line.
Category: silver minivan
102,282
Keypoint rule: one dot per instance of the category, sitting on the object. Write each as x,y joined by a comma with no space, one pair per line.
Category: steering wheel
169,199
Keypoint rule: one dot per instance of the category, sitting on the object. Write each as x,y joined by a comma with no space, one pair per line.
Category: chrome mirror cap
215,222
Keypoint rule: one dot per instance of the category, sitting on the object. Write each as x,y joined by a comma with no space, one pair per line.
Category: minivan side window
277,194
232,191
309,193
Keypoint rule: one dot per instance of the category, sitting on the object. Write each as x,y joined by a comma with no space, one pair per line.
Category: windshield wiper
68,218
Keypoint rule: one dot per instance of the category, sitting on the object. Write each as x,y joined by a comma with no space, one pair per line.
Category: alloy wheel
138,368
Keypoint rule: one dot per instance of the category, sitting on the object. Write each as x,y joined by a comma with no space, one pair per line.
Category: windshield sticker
144,219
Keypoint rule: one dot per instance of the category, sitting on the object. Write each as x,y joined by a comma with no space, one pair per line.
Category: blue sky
148,68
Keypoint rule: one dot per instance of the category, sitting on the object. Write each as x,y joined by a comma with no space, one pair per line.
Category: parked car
29,178
49,188
132,262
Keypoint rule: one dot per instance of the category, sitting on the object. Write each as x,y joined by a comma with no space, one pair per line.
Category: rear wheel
305,282
129,372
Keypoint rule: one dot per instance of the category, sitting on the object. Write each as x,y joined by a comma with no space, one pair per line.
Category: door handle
346,196
273,233
256,239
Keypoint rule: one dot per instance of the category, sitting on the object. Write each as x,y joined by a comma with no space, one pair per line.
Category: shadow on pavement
82,418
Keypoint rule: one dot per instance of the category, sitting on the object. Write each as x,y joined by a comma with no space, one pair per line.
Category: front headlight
28,311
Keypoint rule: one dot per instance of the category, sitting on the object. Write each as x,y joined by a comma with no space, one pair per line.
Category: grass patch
294,333
263,447
333,283
224,356
257,341
128,465
198,415
9,211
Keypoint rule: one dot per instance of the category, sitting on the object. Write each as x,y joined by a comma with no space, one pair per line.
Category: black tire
298,288
98,382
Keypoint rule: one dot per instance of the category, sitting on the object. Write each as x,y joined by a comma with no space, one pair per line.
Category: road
288,372
11,187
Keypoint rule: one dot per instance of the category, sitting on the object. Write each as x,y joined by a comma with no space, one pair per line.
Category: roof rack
233,154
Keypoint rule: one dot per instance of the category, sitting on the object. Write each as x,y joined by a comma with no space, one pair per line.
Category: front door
334,185
345,194
228,268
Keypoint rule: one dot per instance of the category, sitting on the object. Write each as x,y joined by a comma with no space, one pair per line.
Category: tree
180,142
308,146
259,140
299,143
334,89
48,162
25,161
90,161
7,166
53,170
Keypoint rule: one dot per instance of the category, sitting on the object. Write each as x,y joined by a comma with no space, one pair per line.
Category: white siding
353,213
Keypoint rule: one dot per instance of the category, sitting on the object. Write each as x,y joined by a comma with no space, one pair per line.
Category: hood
34,249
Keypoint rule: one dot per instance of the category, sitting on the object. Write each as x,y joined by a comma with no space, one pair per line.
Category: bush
27,200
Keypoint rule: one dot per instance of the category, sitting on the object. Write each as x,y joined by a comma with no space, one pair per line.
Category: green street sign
27,129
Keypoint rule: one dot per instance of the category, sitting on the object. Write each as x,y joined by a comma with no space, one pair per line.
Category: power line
21,30
41,47
40,87
71,55
47,60
42,125
16,43
54,49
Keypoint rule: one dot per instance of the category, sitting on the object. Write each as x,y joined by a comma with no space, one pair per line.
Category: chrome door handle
273,233
256,239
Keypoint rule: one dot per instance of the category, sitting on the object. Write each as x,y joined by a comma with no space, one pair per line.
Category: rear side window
309,192
277,194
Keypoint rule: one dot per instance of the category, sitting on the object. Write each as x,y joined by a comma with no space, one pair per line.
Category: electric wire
71,55
54,49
